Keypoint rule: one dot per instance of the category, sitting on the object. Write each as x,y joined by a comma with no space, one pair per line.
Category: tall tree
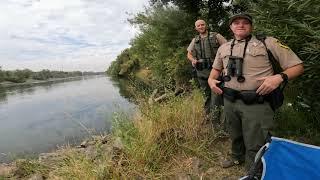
166,31
214,12
192,7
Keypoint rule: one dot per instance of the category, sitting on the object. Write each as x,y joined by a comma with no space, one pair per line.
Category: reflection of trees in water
3,95
131,89
25,89
92,76
121,84
29,89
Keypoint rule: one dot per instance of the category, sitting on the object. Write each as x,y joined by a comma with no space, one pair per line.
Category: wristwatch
284,76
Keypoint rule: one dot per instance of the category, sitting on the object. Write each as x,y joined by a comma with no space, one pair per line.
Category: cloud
66,35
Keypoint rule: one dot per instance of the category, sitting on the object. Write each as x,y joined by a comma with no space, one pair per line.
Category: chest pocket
213,42
258,50
256,58
224,55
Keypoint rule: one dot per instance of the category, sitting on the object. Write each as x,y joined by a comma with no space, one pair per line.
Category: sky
65,35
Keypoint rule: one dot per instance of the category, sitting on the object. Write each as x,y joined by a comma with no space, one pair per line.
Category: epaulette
213,34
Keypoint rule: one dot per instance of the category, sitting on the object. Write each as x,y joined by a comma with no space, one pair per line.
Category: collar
204,36
248,38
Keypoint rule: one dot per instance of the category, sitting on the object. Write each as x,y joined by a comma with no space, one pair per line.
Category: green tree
214,12
1,74
42,75
191,7
16,76
26,73
165,31
124,64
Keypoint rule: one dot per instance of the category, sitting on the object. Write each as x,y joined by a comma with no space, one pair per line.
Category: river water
35,119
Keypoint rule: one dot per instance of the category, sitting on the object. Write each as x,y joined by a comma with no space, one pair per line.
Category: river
40,118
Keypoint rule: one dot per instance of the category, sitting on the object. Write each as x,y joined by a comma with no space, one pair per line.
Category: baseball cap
240,15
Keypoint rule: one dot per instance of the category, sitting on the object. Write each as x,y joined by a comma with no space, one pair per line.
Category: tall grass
163,133
298,124
159,142
76,165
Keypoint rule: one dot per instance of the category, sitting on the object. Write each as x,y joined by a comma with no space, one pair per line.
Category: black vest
206,48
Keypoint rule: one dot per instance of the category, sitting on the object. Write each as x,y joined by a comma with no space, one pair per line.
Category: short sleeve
191,46
218,61
221,39
286,57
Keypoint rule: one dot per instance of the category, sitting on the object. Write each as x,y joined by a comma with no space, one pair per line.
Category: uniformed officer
201,53
250,119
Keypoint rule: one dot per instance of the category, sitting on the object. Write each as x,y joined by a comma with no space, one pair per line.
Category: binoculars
203,64
234,68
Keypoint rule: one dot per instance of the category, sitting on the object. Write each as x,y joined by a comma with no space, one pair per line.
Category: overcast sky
64,35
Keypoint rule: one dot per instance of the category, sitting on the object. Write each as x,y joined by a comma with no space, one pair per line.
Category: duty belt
247,96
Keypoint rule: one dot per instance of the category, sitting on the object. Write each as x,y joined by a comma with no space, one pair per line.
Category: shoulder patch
282,45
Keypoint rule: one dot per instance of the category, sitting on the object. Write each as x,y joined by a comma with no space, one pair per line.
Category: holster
275,98
248,96
251,97
230,94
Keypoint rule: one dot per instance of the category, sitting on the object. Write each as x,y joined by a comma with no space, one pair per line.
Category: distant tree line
20,76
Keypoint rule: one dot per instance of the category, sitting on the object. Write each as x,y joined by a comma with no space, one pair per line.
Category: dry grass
144,75
164,137
164,141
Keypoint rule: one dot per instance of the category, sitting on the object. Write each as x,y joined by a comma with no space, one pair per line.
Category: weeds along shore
167,140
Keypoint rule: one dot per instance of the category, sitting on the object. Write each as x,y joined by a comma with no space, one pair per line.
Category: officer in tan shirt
201,53
250,122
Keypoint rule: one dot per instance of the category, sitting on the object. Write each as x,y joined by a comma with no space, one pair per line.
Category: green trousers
249,126
213,102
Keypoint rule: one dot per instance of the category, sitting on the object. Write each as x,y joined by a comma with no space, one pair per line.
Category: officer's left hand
269,84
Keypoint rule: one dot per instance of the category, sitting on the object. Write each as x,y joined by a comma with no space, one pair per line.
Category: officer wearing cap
249,73
201,53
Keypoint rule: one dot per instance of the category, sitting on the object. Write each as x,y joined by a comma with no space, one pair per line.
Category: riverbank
30,82
168,140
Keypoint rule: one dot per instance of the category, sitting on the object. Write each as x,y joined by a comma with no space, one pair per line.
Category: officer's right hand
213,85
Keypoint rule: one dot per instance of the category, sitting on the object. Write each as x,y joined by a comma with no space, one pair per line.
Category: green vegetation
29,167
163,141
166,31
17,76
21,76
161,133
159,48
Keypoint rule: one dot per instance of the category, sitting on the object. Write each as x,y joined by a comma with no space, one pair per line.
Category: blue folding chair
283,159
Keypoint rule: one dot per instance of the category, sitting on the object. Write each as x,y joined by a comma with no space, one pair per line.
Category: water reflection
28,89
3,95
38,118
129,88
123,85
